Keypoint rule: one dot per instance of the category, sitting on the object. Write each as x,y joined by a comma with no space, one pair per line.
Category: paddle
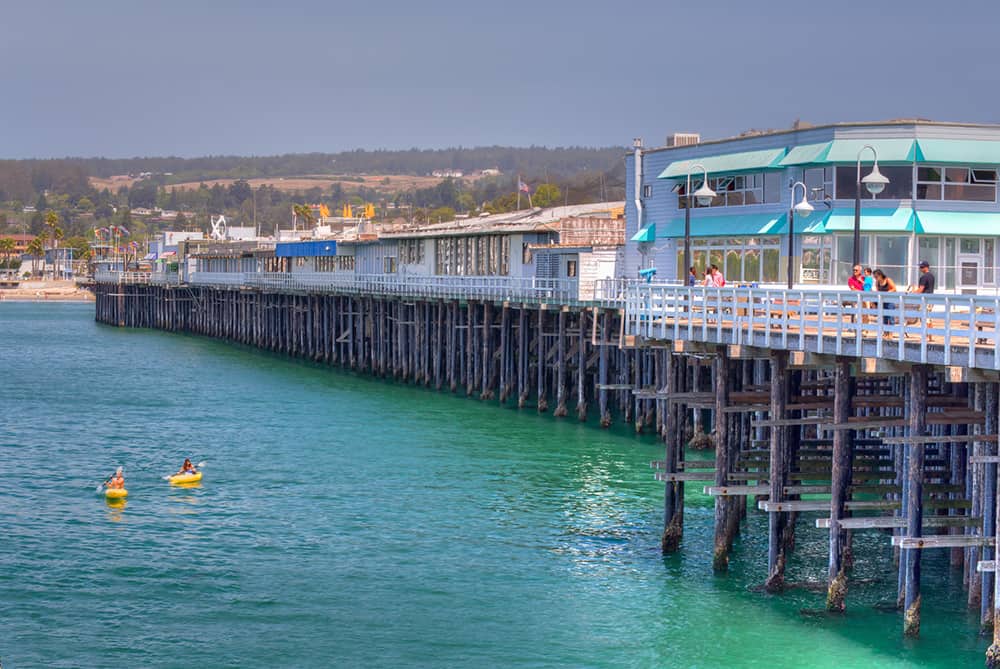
197,466
105,482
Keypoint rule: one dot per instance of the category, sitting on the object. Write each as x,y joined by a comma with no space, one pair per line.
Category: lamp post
803,208
704,196
875,182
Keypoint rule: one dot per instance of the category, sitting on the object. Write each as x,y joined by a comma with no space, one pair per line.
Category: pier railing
606,292
935,329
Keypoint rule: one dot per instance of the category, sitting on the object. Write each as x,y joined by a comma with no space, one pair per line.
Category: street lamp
803,209
704,195
875,183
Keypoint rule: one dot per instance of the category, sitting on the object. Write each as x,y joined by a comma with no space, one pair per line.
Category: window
819,183
411,251
345,263
326,264
482,255
389,265
300,262
736,190
647,191
900,186
571,269
956,183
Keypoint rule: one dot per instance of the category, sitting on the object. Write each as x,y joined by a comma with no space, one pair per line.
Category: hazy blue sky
193,78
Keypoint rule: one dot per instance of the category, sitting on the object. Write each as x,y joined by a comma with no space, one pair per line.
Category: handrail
911,327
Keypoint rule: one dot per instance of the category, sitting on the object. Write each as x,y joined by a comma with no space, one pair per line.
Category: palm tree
6,248
37,249
304,212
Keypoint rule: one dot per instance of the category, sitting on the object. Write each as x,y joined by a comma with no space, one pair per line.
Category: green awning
979,224
732,162
960,151
806,154
872,220
726,226
814,224
646,234
889,150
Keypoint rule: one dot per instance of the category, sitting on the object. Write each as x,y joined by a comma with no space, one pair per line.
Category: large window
736,190
746,260
411,251
900,186
483,255
956,183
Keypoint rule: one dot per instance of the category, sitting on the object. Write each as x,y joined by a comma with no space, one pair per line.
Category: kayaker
117,481
187,468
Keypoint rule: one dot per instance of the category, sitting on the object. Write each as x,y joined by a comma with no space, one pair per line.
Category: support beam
840,479
914,503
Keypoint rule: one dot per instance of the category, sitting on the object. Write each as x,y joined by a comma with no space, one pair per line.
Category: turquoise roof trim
889,150
872,220
726,226
725,164
958,151
647,234
806,154
976,223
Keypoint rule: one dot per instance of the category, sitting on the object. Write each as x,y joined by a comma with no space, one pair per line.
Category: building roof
530,220
751,134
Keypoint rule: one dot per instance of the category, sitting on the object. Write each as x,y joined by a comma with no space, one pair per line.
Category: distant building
490,172
444,174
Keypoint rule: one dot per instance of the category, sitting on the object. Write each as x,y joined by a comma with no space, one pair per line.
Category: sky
192,78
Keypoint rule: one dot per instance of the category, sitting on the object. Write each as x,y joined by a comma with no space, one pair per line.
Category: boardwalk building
940,204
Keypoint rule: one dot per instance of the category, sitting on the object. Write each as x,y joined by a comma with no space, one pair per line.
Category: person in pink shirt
717,279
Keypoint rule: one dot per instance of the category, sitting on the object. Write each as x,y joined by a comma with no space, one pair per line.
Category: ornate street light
875,183
704,195
803,209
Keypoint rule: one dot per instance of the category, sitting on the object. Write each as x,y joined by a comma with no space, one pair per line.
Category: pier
852,412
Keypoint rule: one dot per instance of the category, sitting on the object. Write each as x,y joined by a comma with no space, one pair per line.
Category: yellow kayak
185,478
116,493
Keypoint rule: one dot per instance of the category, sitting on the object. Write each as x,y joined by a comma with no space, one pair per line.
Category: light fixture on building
704,195
876,181
803,209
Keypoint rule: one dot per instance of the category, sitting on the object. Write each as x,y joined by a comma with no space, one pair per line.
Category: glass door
970,263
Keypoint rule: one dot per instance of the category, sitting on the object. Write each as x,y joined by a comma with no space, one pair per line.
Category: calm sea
345,521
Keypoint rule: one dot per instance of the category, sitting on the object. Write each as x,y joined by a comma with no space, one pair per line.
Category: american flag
521,186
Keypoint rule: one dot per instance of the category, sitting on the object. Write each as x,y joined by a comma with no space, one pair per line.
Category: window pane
970,192
772,259
984,176
845,255
890,256
928,174
752,196
949,262
772,187
988,260
734,199
928,192
956,175
928,250
751,265
900,186
967,245
715,257
733,272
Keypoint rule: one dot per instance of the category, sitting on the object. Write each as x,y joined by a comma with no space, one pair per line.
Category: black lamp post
875,183
704,195
804,209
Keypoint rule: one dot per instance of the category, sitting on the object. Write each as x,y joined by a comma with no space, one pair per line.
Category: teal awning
979,224
872,220
727,226
960,151
889,150
807,153
732,162
646,234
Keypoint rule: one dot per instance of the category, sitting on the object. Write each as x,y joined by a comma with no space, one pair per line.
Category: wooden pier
853,413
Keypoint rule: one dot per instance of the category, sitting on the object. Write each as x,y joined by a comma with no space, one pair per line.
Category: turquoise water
345,521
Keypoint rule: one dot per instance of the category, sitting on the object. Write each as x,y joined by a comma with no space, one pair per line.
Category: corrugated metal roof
532,220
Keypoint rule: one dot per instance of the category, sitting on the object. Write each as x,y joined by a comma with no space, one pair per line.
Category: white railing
609,292
937,329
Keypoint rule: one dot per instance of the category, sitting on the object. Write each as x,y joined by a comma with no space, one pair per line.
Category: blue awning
725,164
806,154
872,220
647,234
958,151
975,223
727,226
889,150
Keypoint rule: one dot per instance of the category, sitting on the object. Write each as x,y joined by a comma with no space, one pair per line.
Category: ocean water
346,521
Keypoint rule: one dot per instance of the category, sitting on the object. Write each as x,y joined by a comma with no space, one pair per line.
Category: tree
85,205
304,213
36,248
6,248
441,215
546,195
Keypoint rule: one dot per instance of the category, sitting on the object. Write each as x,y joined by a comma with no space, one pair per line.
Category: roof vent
683,139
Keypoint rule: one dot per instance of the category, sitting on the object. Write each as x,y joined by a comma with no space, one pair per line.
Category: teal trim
806,154
958,151
814,224
975,223
872,220
733,162
726,226
889,150
647,234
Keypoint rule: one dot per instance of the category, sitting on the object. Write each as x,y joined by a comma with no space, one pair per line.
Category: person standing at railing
718,281
925,286
856,281
692,278
869,280
884,284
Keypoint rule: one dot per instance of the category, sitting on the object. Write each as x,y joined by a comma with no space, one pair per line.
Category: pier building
939,205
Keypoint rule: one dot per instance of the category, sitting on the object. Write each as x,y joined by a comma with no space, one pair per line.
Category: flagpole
518,187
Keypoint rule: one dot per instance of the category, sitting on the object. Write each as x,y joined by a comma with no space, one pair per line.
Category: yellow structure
347,211
369,211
